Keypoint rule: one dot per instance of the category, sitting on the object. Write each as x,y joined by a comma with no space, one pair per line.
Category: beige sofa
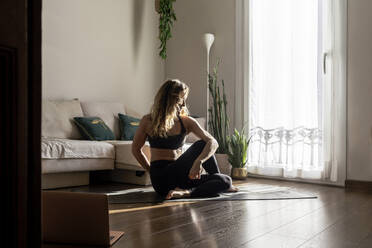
67,160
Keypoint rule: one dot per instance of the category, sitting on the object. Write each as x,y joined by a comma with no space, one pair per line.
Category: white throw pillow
57,118
107,111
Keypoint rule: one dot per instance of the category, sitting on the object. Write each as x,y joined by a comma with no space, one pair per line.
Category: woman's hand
196,170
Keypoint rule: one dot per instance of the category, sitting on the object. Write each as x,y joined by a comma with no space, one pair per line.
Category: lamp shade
208,41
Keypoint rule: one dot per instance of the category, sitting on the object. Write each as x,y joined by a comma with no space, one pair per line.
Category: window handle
325,63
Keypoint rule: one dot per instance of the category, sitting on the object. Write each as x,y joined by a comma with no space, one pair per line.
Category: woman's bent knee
226,181
200,143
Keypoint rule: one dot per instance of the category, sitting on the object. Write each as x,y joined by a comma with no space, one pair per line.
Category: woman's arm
138,142
209,149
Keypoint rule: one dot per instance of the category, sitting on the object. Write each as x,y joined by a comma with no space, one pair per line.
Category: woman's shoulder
187,118
187,121
191,122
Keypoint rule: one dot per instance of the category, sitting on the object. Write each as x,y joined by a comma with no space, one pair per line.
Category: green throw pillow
94,128
128,126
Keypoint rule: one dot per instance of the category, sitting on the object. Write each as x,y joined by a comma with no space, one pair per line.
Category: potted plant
218,120
237,154
166,18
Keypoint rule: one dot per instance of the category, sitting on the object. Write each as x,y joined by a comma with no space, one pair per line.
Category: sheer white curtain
291,90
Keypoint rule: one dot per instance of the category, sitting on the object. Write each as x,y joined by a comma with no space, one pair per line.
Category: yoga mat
246,192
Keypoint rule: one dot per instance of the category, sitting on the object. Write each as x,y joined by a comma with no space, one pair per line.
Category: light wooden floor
337,218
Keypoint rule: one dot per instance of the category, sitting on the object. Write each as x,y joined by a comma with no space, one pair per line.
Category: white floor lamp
208,41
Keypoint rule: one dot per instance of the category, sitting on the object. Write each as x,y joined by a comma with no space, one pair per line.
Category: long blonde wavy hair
168,103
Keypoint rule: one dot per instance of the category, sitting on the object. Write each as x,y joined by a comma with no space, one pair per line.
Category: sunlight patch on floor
162,205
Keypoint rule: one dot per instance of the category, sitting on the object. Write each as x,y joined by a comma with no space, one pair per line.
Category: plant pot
223,163
239,173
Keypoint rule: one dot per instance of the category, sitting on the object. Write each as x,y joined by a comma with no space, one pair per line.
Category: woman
176,175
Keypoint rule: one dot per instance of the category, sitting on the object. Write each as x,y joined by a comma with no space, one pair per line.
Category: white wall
359,166
187,56
101,50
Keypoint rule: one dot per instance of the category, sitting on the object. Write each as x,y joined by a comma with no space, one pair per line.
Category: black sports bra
171,142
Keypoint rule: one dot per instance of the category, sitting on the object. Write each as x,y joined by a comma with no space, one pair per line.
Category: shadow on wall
137,22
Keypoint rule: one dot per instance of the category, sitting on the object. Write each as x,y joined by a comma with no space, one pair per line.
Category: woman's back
171,142
169,148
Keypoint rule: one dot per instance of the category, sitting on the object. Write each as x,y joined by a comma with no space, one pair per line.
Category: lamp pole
208,41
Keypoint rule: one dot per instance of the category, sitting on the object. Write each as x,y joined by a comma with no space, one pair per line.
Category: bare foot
233,189
177,193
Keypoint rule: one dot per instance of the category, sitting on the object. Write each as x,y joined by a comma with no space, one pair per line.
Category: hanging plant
166,18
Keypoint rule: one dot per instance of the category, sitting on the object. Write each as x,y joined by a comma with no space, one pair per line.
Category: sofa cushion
58,166
57,118
54,148
107,111
124,156
94,128
128,126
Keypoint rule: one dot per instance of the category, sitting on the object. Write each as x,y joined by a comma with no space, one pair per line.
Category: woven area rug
246,192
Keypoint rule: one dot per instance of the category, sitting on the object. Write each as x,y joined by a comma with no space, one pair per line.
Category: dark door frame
20,128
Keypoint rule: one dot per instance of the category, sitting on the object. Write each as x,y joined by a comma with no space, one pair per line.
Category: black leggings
169,174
